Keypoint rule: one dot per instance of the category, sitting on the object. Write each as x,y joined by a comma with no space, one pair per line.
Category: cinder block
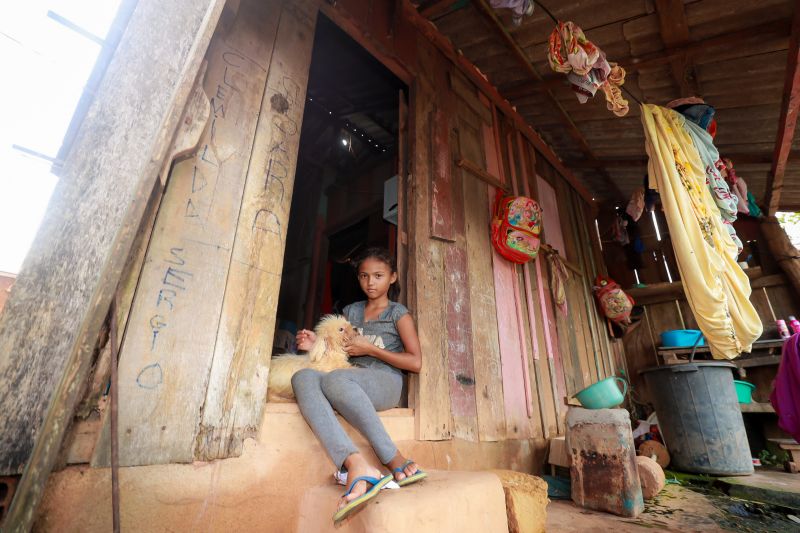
603,468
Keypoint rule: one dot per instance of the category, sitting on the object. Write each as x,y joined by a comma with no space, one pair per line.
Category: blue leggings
357,394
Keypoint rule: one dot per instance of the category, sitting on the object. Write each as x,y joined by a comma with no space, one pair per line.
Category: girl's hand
358,346
305,339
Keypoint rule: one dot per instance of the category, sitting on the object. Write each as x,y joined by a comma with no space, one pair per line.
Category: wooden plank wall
588,353
522,355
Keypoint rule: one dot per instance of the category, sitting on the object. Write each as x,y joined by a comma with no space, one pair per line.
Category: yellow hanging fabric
717,289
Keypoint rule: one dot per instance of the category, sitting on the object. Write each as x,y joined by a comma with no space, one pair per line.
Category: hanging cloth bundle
586,67
716,288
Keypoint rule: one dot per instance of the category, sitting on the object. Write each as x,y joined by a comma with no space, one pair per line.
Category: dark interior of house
348,152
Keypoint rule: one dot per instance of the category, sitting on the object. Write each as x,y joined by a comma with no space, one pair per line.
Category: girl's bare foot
398,461
358,466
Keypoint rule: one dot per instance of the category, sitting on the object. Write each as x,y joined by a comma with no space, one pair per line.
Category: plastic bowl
744,391
604,394
680,338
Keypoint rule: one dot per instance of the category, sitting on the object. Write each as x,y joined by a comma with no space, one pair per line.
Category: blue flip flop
408,480
358,503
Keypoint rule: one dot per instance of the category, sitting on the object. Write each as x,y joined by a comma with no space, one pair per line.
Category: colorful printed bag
516,227
615,304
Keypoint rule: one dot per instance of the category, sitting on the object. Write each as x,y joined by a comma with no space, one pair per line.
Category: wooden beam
434,9
429,31
633,64
629,162
481,174
675,32
788,120
782,249
49,328
522,58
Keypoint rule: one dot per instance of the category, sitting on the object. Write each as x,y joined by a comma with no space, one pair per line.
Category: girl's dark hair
383,255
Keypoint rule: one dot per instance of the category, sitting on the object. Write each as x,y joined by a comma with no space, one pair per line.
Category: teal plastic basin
744,391
604,394
681,338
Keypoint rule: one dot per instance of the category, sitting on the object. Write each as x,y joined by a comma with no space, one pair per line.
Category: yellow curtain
717,289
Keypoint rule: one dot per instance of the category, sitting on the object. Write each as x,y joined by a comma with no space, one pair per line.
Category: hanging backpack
516,227
615,304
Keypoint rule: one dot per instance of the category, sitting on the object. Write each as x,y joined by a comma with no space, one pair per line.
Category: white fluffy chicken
326,354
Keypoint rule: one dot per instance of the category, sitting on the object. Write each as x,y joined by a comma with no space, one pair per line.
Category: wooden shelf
665,292
756,407
749,362
767,344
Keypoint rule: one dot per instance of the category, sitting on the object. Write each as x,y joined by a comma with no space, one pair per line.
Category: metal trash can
699,416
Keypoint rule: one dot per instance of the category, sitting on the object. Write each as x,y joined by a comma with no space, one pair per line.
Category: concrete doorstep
446,501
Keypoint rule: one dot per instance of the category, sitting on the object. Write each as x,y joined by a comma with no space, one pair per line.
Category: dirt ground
677,508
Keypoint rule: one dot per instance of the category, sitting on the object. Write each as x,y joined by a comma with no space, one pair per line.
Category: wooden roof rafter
522,57
675,32
746,158
670,53
788,121
433,9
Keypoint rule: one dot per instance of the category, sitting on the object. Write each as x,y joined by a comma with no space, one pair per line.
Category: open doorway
345,191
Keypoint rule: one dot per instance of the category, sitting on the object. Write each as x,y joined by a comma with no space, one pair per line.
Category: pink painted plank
518,304
551,221
510,338
551,226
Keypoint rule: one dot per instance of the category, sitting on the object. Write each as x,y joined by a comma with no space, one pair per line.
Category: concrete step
446,501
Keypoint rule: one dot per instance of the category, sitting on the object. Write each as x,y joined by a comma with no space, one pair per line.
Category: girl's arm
410,360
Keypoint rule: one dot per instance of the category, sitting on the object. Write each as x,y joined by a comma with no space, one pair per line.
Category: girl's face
375,277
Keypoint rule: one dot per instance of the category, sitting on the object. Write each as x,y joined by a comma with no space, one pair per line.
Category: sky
45,67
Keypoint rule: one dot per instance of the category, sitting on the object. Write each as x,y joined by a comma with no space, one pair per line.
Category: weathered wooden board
170,340
459,325
763,306
485,337
51,323
238,381
517,423
663,316
441,178
590,351
459,343
469,95
433,417
483,320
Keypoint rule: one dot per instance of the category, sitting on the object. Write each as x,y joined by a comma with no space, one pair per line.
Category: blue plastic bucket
604,394
680,338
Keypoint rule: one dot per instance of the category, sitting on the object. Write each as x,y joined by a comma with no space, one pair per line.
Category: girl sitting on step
388,344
